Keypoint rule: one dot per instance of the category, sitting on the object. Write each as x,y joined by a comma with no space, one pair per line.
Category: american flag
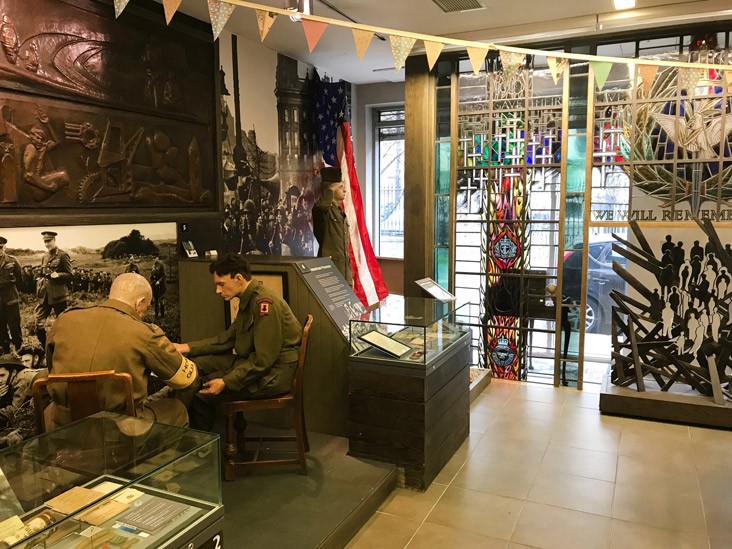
334,134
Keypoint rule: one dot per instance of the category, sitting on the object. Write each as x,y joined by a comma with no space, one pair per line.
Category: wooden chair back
82,394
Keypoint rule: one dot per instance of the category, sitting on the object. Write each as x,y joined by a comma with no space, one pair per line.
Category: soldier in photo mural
11,276
52,284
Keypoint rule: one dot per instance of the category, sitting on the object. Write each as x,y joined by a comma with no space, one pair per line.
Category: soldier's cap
11,361
30,350
3,240
48,235
330,175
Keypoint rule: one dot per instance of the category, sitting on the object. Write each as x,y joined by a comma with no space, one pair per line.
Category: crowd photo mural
46,270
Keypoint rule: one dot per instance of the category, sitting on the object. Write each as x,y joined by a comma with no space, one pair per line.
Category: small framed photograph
385,343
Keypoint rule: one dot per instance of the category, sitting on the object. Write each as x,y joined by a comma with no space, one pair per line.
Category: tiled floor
543,468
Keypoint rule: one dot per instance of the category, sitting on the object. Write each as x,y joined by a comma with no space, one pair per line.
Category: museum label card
152,514
434,289
128,495
385,343
73,500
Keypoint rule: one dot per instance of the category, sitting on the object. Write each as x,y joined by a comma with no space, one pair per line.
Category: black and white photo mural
672,325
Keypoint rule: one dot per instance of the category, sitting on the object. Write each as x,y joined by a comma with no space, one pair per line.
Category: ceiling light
624,4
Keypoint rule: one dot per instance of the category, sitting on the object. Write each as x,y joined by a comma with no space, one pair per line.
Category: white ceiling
502,21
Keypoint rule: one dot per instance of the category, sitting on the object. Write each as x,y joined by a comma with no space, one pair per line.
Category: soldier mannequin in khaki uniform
330,225
10,276
52,287
265,335
112,336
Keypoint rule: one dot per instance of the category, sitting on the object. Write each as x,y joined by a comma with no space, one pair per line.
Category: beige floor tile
587,438
521,429
412,504
451,468
489,403
527,391
585,418
579,462
661,507
481,421
680,478
486,514
551,527
719,522
523,409
631,535
500,387
435,536
513,545
509,450
715,437
712,456
657,429
573,492
655,449
384,532
717,543
583,399
493,477
716,487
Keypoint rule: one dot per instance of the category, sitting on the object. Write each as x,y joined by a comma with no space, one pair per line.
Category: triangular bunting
265,20
433,50
119,6
728,77
557,66
362,39
688,78
170,7
477,56
400,48
648,75
512,61
602,71
313,31
219,13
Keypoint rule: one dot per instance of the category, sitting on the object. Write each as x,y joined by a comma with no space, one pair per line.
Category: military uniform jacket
54,290
330,227
264,334
111,336
10,276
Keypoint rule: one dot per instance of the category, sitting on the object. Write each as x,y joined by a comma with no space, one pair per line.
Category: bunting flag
265,20
334,136
648,76
362,39
688,78
512,61
477,56
313,31
433,50
557,66
170,6
601,69
219,13
400,48
728,77
119,6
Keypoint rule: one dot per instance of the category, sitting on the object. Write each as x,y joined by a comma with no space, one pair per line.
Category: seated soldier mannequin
112,336
265,335
330,224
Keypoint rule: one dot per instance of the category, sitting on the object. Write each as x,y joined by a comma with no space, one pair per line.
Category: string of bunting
402,43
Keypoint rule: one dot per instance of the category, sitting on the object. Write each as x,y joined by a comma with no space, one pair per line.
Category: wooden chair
293,399
82,394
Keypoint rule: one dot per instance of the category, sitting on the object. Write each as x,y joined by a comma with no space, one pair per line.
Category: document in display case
112,481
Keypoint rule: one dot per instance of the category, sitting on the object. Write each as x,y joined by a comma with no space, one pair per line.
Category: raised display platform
681,405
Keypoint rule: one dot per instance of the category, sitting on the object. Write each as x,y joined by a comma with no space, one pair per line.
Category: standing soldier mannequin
11,276
330,224
52,287
157,281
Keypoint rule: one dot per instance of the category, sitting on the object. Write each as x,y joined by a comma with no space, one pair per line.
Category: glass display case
410,330
112,481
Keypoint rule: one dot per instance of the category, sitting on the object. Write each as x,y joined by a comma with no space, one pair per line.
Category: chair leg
240,424
304,430
299,439
230,448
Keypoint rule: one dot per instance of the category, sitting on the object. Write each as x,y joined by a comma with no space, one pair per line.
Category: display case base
682,405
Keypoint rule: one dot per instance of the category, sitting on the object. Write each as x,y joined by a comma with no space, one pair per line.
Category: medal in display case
112,481
409,385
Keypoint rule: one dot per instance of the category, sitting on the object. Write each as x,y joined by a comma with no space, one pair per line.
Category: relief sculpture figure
9,39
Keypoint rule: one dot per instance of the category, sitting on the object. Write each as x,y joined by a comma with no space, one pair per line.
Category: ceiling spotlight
299,7
624,4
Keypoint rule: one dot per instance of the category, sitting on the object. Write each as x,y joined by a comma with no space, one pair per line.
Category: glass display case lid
415,311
